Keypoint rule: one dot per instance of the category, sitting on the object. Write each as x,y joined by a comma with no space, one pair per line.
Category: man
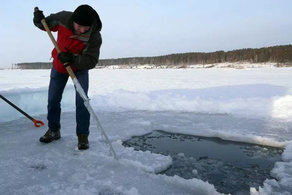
79,40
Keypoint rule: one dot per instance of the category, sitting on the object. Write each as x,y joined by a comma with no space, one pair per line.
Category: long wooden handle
45,25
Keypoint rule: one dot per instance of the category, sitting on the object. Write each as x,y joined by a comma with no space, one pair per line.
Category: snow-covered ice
249,105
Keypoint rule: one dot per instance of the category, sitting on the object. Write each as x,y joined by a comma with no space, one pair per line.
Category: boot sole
49,141
83,147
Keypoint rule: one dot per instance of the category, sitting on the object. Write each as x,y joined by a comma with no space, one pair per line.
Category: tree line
278,54
34,65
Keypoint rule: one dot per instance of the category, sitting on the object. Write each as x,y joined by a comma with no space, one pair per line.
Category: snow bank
260,99
260,92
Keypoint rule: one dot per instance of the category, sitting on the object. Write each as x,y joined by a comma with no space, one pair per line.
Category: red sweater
85,47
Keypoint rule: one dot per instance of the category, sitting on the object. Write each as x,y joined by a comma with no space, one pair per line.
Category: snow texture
247,105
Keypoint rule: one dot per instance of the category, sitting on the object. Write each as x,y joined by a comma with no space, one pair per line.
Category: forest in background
282,55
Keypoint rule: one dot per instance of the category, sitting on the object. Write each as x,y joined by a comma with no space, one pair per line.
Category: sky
134,28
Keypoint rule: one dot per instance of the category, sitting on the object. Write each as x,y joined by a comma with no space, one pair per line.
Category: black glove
38,16
66,57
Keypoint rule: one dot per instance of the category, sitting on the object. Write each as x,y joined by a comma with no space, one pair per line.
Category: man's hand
66,57
38,16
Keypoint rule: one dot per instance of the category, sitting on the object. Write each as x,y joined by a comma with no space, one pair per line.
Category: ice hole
232,167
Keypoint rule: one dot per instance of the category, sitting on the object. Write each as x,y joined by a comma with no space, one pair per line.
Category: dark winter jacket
85,47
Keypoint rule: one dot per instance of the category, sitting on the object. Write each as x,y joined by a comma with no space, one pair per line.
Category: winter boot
83,142
50,136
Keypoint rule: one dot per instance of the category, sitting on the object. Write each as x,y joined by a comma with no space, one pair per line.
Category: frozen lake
248,105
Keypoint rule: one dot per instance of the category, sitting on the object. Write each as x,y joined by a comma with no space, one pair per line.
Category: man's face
80,29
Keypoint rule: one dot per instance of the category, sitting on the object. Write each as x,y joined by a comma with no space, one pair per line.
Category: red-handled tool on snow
79,88
37,123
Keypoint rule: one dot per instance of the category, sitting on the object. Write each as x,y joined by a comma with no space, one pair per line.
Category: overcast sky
151,27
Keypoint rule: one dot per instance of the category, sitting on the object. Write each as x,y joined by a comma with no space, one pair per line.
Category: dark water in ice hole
232,167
